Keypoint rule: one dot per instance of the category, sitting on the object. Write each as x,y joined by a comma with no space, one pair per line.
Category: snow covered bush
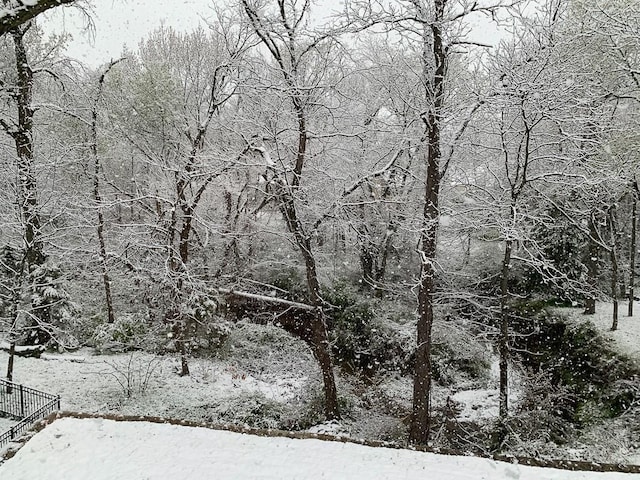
253,409
128,332
133,373
362,341
205,330
43,295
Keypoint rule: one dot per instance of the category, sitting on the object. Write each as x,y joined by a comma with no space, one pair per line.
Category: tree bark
613,254
503,343
319,341
12,354
286,187
433,46
22,14
23,138
632,252
98,198
27,198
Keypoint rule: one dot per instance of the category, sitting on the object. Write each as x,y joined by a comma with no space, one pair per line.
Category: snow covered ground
96,449
6,423
229,389
626,338
88,382
269,384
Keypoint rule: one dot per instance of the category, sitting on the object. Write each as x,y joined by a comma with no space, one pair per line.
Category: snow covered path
98,449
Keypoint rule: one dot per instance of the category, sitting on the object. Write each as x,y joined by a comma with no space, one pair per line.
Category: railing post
58,403
21,400
12,432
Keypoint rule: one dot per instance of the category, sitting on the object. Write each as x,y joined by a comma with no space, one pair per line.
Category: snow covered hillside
97,449
626,338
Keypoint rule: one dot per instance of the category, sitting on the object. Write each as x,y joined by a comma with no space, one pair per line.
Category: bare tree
294,51
97,171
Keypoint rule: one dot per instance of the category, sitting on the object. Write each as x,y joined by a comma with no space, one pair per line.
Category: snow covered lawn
6,423
96,449
626,338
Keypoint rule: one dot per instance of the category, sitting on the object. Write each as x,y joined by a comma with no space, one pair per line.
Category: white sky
122,22
126,22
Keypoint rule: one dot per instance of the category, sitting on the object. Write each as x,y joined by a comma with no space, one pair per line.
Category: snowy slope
626,338
97,449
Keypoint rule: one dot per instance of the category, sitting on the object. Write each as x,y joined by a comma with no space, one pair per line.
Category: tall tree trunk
503,343
319,340
613,254
632,252
98,198
23,137
287,187
27,198
433,50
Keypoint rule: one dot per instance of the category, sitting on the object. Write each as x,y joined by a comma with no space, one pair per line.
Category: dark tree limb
18,13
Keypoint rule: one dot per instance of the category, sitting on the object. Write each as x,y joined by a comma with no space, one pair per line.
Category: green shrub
577,358
253,409
129,332
362,342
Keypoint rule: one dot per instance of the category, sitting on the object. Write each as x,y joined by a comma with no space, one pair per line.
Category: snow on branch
16,12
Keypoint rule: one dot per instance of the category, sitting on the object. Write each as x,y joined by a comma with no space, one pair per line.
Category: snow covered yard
96,449
141,383
6,423
99,383
627,336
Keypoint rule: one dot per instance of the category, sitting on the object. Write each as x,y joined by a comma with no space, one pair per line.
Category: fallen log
266,299
299,319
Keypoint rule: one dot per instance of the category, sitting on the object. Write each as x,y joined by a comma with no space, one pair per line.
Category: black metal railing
28,405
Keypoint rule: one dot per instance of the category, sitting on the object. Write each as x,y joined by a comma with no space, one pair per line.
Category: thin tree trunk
286,189
98,198
614,267
15,312
503,344
319,339
593,253
632,253
12,354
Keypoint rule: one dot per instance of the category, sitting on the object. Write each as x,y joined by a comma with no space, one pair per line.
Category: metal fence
28,405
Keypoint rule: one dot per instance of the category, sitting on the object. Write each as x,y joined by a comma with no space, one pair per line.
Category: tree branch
18,13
